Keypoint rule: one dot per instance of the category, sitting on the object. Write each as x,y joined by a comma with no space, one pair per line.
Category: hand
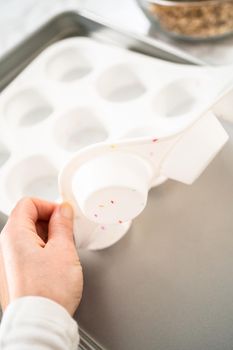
38,256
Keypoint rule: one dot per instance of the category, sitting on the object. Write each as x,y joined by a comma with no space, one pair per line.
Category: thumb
61,223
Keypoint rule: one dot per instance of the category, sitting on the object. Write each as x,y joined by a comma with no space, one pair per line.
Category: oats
193,20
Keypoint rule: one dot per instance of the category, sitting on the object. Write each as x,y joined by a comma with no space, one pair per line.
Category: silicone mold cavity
34,176
179,98
68,65
26,108
79,128
120,84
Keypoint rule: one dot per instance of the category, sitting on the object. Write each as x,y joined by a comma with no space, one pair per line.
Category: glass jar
196,20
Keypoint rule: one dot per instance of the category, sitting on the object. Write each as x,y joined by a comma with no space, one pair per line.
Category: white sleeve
37,323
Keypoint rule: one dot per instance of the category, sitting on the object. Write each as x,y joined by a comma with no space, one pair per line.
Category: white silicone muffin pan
114,124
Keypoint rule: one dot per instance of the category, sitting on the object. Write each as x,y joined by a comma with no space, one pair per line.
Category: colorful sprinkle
151,154
113,146
154,140
101,206
112,201
95,215
120,222
102,227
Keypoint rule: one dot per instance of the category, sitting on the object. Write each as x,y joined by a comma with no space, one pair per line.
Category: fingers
47,221
26,218
30,210
61,224
42,230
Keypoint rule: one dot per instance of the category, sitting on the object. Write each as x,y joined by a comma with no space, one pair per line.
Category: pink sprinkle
112,202
120,222
154,140
102,227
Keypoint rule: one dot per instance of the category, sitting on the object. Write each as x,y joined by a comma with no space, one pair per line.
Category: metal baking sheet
167,284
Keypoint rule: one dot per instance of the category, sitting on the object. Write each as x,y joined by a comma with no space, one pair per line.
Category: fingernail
66,211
